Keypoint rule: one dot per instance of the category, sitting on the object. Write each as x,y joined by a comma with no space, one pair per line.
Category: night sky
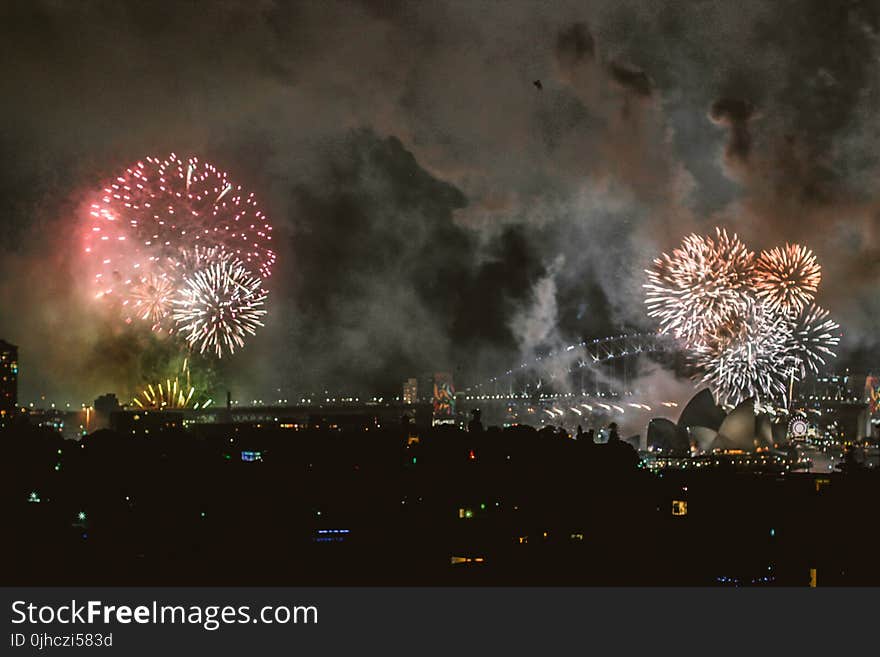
434,208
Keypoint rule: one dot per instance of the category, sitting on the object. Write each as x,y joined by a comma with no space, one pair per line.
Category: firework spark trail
151,298
787,278
170,395
704,281
218,305
814,334
190,261
750,353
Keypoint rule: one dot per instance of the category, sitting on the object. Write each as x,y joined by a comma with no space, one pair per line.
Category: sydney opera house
704,427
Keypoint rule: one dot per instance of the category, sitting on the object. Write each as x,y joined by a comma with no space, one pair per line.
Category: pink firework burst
155,210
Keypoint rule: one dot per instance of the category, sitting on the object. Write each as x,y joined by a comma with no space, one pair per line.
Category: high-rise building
105,406
410,391
444,398
8,379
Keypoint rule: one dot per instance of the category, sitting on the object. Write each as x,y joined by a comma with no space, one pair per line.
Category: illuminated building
444,398
8,379
741,430
410,391
831,387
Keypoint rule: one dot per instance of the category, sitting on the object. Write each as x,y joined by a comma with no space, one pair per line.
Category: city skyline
360,293
410,235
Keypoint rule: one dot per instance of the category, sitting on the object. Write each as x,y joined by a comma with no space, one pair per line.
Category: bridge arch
580,367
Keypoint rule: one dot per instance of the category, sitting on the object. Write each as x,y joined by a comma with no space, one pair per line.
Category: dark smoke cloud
734,114
630,78
574,44
424,192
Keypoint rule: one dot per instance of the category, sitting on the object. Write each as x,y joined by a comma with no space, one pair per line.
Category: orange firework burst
787,278
152,297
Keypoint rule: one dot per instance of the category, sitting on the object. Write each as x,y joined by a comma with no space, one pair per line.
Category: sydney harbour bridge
590,382
604,365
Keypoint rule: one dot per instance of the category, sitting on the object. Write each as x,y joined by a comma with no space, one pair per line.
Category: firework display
192,260
748,324
170,394
151,298
219,305
787,278
813,335
694,289
745,354
163,234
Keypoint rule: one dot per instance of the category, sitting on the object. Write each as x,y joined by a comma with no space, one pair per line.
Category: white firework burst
749,355
219,305
813,335
693,290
